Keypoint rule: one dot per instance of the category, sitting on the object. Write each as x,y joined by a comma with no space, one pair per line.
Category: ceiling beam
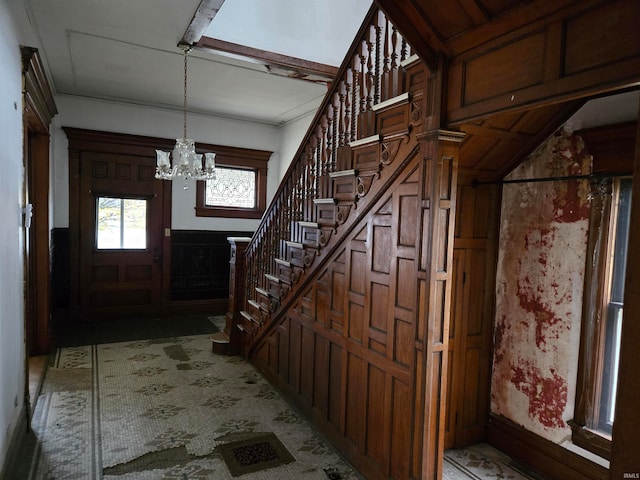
299,67
201,21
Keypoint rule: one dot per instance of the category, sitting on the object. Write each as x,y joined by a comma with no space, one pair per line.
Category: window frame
237,158
585,426
97,198
613,149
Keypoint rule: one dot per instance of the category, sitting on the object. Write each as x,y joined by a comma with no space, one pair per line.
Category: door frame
38,110
81,140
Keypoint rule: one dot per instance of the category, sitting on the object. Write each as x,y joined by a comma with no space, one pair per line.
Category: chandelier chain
184,110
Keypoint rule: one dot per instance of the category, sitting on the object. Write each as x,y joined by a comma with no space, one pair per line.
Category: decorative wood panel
471,321
200,264
567,55
350,348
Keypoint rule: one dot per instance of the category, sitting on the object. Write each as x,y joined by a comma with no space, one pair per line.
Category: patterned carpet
159,409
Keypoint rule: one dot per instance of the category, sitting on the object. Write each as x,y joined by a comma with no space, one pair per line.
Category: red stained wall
541,263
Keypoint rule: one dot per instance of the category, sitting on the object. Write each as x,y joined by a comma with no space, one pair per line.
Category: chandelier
186,162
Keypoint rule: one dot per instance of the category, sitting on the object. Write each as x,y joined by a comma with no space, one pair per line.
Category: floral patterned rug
160,409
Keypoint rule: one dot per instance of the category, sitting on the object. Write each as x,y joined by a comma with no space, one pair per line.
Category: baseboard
17,439
539,454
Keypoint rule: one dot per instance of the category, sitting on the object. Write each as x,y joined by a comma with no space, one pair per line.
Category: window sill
229,212
591,440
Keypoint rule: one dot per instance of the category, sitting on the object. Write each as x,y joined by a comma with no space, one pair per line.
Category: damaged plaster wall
540,275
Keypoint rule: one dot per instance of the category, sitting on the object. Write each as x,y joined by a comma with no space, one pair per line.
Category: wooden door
120,227
470,328
468,351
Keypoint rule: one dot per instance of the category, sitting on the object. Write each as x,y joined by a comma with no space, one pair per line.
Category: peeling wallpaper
540,275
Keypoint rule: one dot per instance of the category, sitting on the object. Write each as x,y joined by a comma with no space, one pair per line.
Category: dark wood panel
356,396
60,269
377,433
471,327
491,74
307,364
200,264
567,57
587,47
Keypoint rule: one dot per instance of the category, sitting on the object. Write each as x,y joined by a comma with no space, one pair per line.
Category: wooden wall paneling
307,364
456,343
569,54
472,311
440,152
353,370
336,391
321,375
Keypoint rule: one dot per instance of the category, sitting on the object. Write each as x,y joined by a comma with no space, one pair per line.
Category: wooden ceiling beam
200,21
301,66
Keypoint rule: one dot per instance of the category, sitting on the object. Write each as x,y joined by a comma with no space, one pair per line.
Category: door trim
81,140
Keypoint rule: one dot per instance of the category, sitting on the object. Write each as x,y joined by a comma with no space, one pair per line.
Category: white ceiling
126,50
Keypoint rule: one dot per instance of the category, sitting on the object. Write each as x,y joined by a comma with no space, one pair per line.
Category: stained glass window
232,187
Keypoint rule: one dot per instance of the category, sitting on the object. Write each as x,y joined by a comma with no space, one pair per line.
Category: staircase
355,136
341,297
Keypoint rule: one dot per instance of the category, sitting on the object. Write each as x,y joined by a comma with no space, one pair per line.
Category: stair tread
249,317
283,262
220,337
308,224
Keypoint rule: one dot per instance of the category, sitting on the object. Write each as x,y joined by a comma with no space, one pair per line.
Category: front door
120,232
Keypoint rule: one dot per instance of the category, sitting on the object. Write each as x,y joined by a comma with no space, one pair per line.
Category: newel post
237,281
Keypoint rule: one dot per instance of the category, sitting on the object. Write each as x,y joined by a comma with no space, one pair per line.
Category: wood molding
37,90
540,454
298,67
131,143
612,147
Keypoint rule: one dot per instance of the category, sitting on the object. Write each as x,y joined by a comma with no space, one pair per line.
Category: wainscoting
199,270
200,264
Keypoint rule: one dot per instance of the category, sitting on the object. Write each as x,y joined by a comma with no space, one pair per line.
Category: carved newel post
229,341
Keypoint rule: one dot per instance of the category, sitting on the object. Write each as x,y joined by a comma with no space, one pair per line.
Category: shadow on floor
68,334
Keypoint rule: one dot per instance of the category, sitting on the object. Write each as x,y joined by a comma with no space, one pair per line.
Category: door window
121,223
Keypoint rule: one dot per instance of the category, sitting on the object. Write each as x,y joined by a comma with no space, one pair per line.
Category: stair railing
370,74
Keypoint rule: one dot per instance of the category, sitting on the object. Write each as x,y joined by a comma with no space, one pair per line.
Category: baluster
386,69
363,92
328,131
341,109
334,149
347,106
376,61
323,143
403,51
353,131
370,74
